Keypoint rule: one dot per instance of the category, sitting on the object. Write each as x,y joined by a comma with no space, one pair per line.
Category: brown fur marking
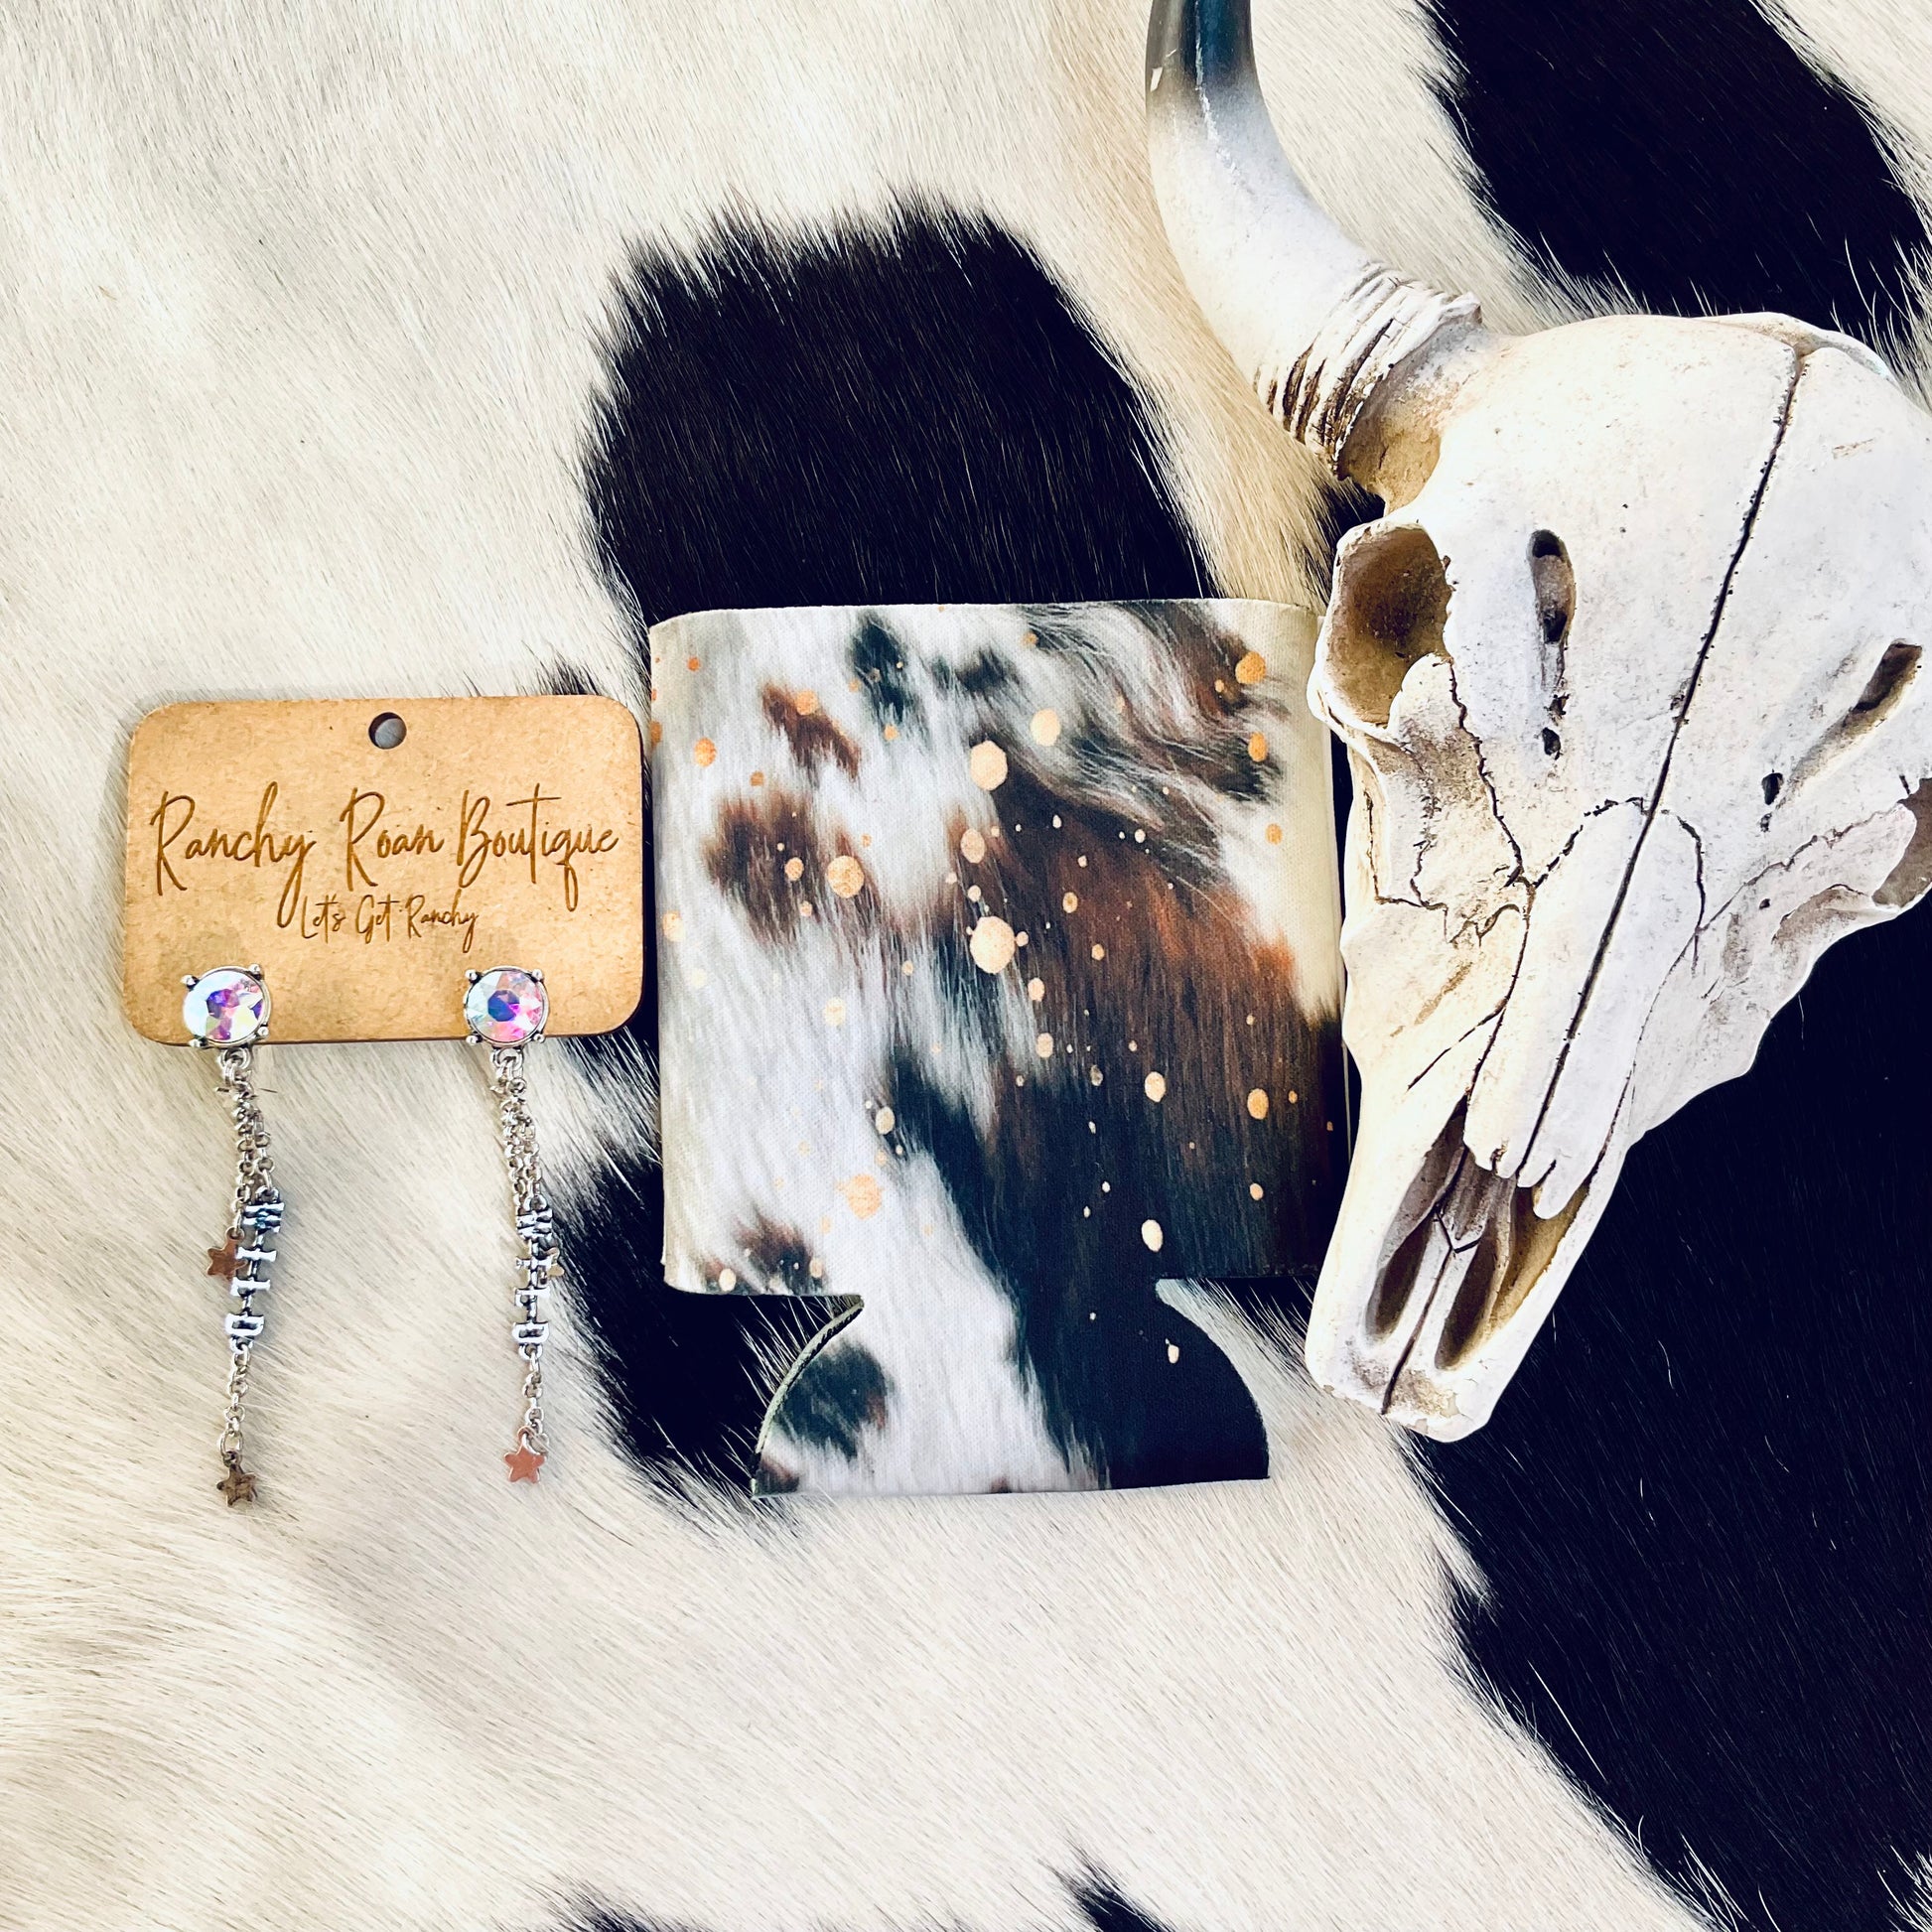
780,1256
813,737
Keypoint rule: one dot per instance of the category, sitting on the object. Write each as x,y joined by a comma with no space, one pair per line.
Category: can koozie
999,982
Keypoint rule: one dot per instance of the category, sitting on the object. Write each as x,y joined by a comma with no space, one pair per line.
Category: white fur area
295,371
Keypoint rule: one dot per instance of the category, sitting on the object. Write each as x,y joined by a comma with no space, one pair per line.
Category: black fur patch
1102,1906
884,416
1107,1908
1686,151
877,415
879,663
1705,1505
840,1394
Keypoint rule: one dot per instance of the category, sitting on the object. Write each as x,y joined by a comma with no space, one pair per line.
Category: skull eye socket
1391,601
1556,585
1891,678
1886,684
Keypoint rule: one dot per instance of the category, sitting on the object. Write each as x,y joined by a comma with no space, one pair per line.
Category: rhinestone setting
226,1008
506,1007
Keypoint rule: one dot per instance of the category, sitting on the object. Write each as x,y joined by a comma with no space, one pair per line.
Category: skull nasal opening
1391,601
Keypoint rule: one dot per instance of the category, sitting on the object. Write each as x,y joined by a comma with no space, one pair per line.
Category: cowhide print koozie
1000,977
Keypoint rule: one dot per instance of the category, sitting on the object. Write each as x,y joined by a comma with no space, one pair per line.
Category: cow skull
1629,677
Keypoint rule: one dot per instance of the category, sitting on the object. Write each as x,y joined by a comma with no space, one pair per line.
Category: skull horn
1313,322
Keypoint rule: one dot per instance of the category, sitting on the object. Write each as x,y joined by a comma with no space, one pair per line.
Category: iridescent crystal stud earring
506,1009
226,1011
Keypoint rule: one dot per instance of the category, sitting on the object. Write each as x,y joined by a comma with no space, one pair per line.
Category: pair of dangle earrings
226,1011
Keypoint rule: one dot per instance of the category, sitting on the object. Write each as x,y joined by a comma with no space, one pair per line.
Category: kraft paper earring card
363,854
1000,982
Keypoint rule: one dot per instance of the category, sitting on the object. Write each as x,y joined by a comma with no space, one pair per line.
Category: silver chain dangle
228,1009
505,1010
247,1257
537,1263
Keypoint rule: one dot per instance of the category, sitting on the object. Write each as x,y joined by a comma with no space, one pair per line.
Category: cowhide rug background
355,351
